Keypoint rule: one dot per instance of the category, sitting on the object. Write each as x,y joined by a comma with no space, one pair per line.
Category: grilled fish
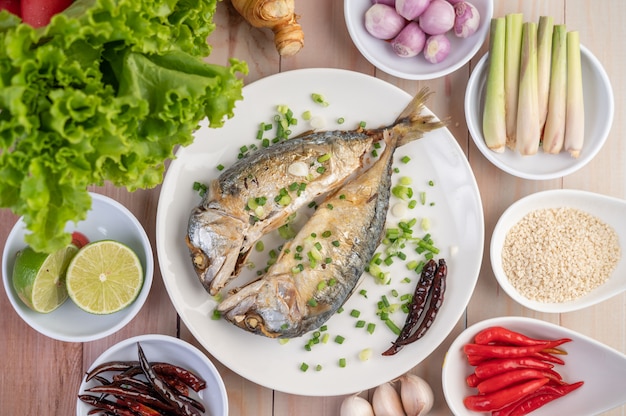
257,194
319,268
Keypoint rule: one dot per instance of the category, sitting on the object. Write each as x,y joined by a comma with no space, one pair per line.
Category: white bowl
107,219
599,109
602,369
164,348
379,53
608,209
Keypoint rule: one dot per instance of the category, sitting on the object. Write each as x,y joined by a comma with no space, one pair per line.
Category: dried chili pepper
436,300
417,305
181,403
499,399
107,405
499,334
111,366
509,378
496,366
182,374
120,392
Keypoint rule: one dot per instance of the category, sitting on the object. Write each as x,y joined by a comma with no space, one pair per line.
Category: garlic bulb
386,401
416,395
355,406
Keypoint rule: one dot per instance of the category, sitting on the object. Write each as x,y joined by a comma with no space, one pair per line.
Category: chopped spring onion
339,339
304,367
319,99
355,313
200,188
342,362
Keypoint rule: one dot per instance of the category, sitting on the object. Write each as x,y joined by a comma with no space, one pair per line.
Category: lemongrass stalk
554,129
513,44
494,118
575,107
528,133
544,51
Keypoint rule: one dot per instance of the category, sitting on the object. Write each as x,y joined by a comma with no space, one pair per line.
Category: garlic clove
355,406
386,401
416,395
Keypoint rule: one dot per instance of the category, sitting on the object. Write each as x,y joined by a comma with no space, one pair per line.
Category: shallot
411,9
410,41
355,406
437,48
386,401
438,18
383,22
387,2
467,19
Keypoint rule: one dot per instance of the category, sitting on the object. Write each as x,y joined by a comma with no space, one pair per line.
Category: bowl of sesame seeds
560,250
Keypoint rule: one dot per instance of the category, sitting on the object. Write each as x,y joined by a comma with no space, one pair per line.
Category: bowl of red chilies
515,366
152,375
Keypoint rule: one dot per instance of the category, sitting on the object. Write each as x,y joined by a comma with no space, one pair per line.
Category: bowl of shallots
418,39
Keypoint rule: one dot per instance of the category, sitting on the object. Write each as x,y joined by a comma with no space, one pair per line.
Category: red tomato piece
38,13
79,239
12,6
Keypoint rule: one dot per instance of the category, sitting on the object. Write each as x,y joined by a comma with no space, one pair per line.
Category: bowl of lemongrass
555,116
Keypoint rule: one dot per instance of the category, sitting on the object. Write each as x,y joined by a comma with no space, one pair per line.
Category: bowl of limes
89,289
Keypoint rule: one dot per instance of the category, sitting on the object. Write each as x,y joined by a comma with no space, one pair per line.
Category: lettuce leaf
104,93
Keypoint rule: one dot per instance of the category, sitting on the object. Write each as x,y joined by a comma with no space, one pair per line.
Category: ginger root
277,15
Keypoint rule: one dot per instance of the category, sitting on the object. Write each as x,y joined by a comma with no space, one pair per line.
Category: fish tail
411,124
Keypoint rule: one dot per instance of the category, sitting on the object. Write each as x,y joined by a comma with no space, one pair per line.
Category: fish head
215,240
268,307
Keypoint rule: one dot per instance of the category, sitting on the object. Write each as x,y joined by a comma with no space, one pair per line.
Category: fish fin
411,124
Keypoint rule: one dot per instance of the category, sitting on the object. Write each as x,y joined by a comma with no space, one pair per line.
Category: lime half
39,278
104,277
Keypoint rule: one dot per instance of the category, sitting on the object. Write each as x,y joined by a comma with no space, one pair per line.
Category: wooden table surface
41,375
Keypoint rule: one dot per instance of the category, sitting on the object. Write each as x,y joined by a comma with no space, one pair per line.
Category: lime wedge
104,277
39,278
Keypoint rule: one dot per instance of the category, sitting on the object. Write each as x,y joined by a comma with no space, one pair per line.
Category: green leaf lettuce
104,93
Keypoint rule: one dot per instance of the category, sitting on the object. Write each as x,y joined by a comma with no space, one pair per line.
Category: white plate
457,220
608,209
379,53
107,219
602,368
599,109
170,350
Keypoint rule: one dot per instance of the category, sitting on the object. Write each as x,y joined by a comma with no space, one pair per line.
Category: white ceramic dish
379,53
602,369
457,220
608,209
170,350
107,219
599,109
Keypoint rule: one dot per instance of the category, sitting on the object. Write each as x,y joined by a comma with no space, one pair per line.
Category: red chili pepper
503,397
507,351
509,378
472,380
499,334
477,359
548,357
500,365
532,402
